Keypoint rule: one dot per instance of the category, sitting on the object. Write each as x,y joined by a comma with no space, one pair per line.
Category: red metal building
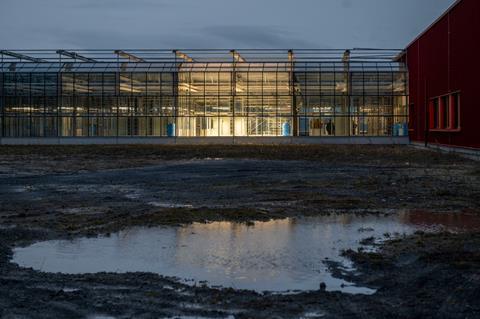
445,79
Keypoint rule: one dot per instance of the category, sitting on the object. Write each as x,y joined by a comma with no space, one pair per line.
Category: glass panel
109,84
37,86
81,84
125,85
385,84
158,126
208,99
154,82
370,83
68,83
23,84
51,86
139,85
9,84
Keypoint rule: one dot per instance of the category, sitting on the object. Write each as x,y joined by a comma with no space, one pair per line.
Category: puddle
279,256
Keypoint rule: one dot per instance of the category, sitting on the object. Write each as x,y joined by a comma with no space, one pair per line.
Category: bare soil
53,192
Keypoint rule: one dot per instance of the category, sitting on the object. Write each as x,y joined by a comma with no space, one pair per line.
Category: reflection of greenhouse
203,93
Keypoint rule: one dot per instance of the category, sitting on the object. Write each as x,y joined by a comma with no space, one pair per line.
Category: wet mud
69,192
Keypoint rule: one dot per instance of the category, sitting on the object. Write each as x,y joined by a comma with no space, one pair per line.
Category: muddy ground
54,192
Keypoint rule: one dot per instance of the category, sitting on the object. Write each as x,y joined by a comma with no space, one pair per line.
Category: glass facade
274,97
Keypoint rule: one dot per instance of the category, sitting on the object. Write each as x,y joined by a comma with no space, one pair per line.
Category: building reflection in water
275,255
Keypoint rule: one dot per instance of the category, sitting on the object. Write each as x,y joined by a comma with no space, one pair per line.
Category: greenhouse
202,93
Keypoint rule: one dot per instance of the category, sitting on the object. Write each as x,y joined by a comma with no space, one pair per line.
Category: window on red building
444,121
445,112
455,111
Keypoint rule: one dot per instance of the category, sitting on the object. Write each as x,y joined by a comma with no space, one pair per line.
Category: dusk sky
164,24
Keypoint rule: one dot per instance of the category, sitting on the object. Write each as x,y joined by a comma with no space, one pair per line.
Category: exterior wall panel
441,62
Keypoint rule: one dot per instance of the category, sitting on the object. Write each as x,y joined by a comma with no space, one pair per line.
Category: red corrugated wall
444,60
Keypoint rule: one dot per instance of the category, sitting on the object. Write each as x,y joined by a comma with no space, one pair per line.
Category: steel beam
21,56
291,56
237,57
75,55
129,56
183,56
346,56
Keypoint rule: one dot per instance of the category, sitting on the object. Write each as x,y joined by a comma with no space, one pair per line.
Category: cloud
347,4
213,23
257,37
118,4
230,37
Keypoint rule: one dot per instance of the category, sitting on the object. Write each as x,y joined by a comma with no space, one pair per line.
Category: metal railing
199,55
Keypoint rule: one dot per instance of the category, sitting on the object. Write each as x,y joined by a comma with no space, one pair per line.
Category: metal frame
142,92
199,55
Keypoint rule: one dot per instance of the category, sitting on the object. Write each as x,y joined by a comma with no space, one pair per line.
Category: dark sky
123,24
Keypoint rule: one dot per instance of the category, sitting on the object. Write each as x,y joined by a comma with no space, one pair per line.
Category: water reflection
277,255
439,221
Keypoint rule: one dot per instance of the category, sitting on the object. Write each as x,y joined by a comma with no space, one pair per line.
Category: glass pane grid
204,99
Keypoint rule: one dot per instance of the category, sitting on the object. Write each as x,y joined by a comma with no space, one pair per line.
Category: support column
291,59
342,123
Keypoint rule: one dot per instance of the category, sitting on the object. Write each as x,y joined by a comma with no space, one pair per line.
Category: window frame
443,109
